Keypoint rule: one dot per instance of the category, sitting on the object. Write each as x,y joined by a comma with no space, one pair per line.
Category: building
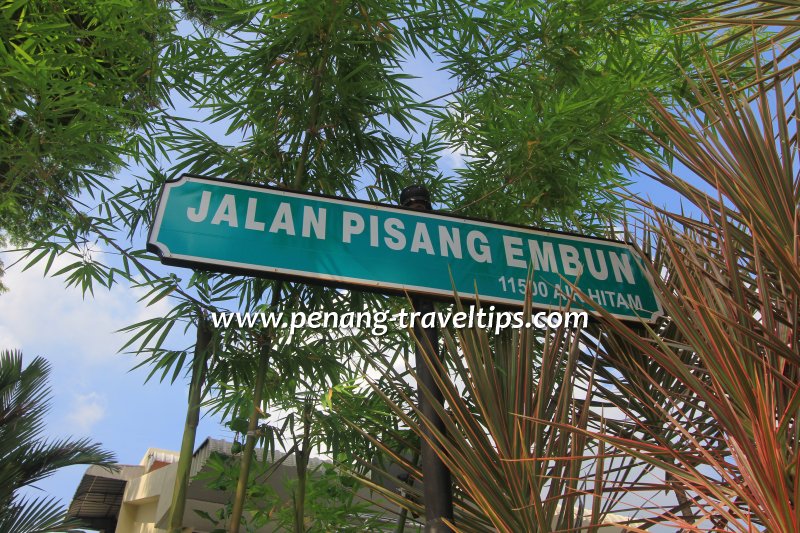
137,498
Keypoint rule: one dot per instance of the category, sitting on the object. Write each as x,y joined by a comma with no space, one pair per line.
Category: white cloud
40,313
78,336
87,410
456,157
8,341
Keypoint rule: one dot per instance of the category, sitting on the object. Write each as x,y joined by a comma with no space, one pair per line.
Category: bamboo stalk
201,351
249,447
252,425
301,465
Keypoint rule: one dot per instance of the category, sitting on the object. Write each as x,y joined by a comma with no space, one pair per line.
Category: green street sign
235,227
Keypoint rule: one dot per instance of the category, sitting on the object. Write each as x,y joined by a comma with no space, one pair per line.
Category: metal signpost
236,227
437,485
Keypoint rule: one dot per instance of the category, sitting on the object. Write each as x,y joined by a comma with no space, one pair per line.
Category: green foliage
310,86
25,457
78,78
221,473
332,503
547,94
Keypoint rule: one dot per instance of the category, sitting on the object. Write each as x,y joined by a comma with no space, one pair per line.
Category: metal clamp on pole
438,490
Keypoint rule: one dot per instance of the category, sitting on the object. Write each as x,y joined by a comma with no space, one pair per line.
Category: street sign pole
438,490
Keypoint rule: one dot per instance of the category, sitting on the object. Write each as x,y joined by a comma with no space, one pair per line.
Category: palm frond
729,278
512,406
757,25
25,456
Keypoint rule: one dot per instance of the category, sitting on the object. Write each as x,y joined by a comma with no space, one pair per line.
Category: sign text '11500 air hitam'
236,227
